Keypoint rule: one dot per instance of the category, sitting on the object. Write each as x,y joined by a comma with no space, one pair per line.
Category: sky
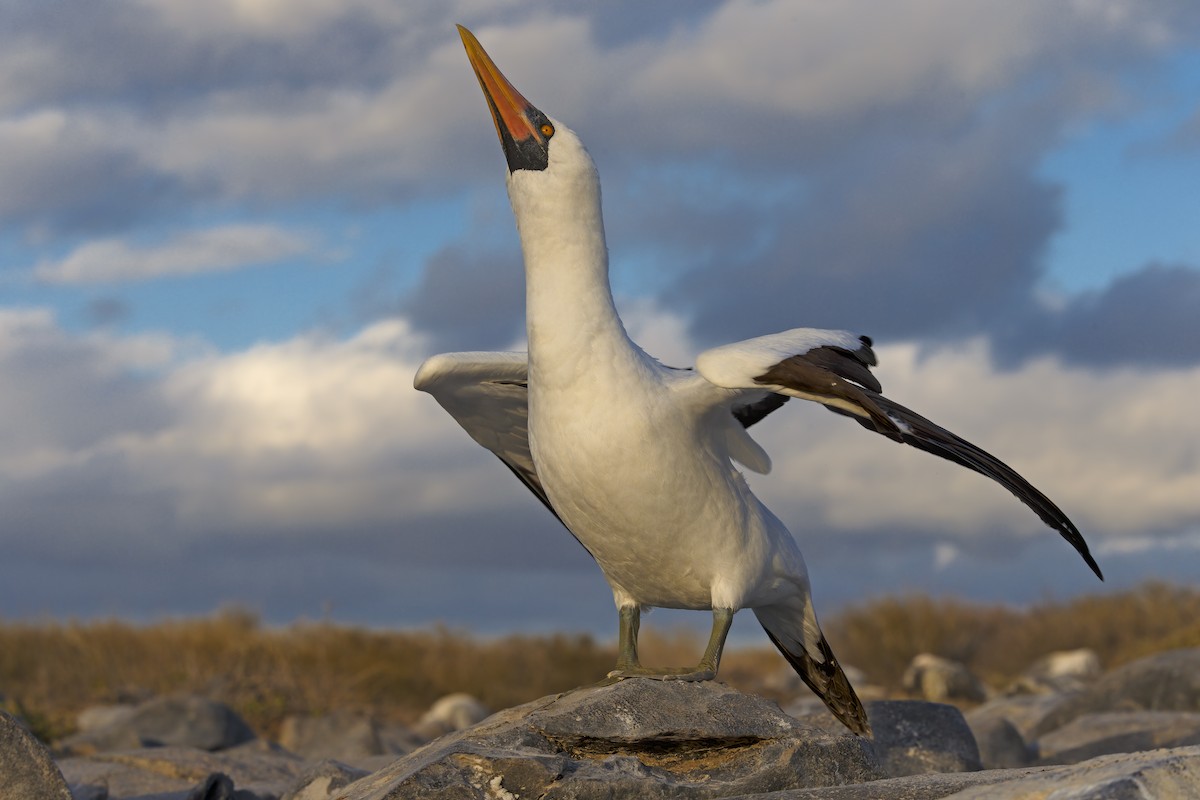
231,230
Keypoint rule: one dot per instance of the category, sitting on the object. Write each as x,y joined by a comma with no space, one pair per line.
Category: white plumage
637,459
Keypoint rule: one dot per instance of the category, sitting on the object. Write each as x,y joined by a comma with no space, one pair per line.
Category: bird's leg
629,623
711,660
628,665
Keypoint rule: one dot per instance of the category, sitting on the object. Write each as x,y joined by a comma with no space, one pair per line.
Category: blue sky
1129,189
231,230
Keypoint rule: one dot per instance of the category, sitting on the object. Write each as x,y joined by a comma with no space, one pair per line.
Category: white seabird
637,459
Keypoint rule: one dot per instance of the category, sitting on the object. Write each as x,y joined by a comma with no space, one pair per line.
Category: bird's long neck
570,315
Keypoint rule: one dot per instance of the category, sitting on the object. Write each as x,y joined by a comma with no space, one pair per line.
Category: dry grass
50,671
998,642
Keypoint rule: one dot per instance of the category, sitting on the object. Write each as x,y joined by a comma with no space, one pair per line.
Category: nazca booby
637,459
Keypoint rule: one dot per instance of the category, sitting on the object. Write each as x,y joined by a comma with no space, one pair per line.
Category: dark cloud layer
943,239
467,301
106,310
60,178
285,583
44,381
1147,318
148,56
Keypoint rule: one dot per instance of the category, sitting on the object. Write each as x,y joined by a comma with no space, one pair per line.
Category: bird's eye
547,130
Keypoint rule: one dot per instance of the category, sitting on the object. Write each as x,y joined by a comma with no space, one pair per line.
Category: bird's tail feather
799,638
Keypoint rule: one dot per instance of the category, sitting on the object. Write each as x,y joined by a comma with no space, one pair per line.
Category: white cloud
311,433
817,59
304,433
218,249
326,432
72,168
267,19
129,445
368,138
1117,450
400,106
1177,542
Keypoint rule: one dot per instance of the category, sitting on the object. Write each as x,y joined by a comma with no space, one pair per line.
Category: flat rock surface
635,738
1103,733
1157,775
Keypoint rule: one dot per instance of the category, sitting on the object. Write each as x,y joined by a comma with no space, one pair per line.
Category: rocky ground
1065,730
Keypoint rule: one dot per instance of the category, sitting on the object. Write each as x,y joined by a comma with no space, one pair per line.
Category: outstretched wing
488,395
832,368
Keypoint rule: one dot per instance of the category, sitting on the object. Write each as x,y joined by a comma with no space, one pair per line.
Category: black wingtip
1067,529
1082,548
917,431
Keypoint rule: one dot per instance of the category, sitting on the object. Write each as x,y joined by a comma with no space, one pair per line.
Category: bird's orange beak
524,131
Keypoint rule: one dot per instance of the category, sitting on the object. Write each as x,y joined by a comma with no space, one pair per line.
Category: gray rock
322,781
89,792
104,739
94,717
454,712
809,709
941,680
914,737
348,737
1001,745
1165,682
179,720
913,787
1099,734
1159,775
636,738
26,769
253,770
1027,713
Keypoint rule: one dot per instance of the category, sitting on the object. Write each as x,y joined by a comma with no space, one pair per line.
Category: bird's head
539,150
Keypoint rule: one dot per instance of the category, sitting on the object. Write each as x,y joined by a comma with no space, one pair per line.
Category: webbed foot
697,673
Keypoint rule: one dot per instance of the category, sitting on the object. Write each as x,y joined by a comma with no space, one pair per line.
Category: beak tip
523,142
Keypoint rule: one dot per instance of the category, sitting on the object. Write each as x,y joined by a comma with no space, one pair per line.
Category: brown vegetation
999,642
50,671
